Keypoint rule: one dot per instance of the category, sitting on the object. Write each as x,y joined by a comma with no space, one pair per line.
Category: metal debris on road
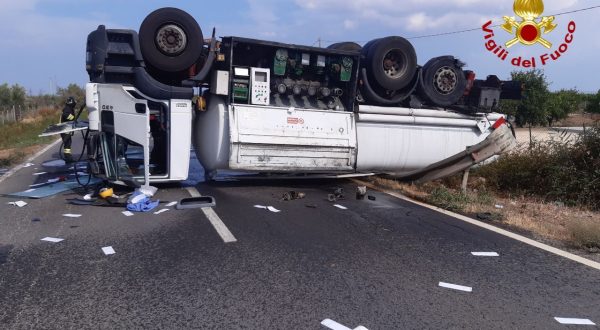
108,250
18,203
127,213
456,287
52,239
291,195
566,320
71,215
340,206
161,211
485,254
361,191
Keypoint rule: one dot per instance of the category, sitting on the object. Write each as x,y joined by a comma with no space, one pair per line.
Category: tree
4,95
73,90
18,94
593,104
531,109
560,104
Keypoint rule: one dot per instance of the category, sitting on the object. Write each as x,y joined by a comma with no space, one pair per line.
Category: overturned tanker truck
259,106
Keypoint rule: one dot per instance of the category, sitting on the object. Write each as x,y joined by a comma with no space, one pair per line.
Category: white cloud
350,24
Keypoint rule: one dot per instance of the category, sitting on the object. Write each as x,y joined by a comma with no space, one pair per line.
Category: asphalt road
377,264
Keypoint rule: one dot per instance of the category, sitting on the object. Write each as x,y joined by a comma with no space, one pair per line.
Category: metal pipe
412,120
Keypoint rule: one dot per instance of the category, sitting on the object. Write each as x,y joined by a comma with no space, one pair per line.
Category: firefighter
68,114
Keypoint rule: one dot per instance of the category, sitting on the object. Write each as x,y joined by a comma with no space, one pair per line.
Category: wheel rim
445,80
171,39
393,64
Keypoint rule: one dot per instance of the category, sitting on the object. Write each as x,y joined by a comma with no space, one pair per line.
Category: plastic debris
161,211
71,215
18,203
272,209
291,195
88,197
108,250
361,191
148,190
140,202
52,239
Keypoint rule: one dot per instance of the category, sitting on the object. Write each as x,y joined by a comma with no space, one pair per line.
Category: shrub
562,171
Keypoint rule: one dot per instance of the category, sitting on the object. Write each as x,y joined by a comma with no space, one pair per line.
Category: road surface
377,264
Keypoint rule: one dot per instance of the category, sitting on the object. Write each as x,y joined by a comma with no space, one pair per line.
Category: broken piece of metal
196,202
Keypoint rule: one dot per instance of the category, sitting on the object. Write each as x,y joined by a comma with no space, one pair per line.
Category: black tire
347,46
391,62
443,82
173,55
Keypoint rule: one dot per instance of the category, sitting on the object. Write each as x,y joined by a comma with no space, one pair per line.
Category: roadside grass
16,138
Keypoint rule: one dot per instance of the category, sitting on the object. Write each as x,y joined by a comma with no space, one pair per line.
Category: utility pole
319,40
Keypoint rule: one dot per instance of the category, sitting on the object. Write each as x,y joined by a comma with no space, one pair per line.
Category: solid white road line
331,324
485,254
523,239
565,320
29,161
214,219
456,287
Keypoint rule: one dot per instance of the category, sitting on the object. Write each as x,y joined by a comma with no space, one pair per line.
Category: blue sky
43,41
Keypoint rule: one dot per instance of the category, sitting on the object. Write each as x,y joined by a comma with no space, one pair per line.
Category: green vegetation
539,106
556,171
12,95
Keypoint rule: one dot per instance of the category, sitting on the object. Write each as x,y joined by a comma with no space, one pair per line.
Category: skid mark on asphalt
214,219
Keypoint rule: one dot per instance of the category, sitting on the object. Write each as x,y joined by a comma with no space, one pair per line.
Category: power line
466,30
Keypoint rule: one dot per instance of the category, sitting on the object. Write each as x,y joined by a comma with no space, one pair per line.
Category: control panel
260,86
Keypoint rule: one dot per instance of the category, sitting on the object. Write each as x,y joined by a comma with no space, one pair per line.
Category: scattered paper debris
272,209
161,211
171,204
40,173
340,206
52,239
71,215
456,287
566,320
498,206
260,207
485,254
108,250
18,203
28,164
127,213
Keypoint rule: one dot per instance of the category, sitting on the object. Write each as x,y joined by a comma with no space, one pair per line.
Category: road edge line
28,160
523,239
214,219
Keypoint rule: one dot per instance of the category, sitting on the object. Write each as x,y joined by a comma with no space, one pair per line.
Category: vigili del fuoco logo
528,30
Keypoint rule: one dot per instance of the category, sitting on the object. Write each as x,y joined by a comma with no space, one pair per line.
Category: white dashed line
523,239
52,239
456,287
485,254
565,320
214,219
161,211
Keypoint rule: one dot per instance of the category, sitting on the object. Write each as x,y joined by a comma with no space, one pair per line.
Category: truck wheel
443,82
392,62
170,40
347,46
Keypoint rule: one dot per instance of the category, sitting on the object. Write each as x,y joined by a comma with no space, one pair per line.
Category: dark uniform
68,114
